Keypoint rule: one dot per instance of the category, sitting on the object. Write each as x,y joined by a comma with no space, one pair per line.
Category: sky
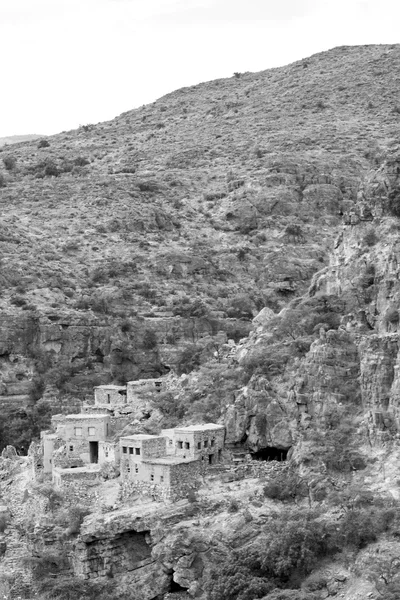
66,63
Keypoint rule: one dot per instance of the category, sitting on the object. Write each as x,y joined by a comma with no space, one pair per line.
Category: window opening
78,431
180,444
130,450
187,445
124,450
137,450
92,430
71,448
205,443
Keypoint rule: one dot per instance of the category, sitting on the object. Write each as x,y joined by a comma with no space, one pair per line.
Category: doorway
94,452
211,459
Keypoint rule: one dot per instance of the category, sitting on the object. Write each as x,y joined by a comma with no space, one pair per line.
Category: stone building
83,433
166,466
106,395
146,468
201,442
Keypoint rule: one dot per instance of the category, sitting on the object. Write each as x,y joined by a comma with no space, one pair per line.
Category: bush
9,162
370,238
43,144
149,339
286,486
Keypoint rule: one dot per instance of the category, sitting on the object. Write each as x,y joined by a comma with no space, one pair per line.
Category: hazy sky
71,62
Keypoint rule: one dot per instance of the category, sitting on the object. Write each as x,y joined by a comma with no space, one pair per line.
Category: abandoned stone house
168,466
165,466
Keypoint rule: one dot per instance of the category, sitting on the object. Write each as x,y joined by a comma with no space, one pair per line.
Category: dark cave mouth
270,453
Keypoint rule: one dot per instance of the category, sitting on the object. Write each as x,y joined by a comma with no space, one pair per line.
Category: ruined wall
161,482
110,395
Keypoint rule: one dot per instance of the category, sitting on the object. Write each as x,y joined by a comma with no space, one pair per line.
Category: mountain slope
183,217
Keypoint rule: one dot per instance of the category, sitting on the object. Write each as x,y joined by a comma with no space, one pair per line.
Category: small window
92,430
130,450
161,478
106,453
136,469
171,442
199,445
180,444
187,445
71,448
137,451
128,469
124,450
151,477
212,442
108,399
205,443
78,431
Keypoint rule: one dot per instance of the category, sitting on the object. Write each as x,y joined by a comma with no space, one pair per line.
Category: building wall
108,452
79,432
198,444
179,481
87,424
148,447
48,440
110,395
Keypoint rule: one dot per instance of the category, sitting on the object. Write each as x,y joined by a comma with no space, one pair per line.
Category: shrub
81,161
2,181
9,162
18,301
370,238
43,144
285,486
149,339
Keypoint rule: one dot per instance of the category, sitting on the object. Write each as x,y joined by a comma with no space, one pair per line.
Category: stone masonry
165,467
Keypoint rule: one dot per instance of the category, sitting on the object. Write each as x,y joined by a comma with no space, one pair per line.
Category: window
161,478
199,445
71,448
187,445
92,430
136,468
152,477
124,450
128,469
130,450
137,451
180,444
106,453
78,431
108,399
212,442
171,442
205,443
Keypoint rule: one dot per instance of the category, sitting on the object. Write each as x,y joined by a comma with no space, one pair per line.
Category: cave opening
175,588
270,453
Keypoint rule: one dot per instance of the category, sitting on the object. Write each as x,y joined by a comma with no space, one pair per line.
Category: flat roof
169,460
143,381
85,416
77,470
141,436
110,386
203,427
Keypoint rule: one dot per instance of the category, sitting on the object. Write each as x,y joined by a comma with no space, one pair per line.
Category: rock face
144,550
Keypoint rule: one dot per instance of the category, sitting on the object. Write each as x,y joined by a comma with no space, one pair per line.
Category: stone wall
199,443
110,394
161,482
